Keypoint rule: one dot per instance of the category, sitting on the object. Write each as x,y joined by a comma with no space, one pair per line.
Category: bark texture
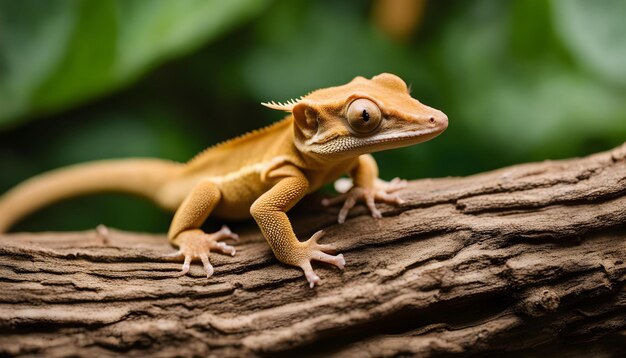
526,260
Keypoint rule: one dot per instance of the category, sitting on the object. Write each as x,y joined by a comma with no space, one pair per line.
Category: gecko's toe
224,248
208,268
383,192
337,260
318,252
313,280
311,277
186,266
195,244
225,233
391,186
340,261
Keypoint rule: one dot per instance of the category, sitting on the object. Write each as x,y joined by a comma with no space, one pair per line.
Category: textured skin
262,174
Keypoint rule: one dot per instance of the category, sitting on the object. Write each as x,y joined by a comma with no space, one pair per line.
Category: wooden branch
526,257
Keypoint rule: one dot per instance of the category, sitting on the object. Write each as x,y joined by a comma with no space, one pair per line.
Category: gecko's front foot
196,243
382,192
311,250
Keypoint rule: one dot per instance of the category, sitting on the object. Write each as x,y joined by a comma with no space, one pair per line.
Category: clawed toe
382,192
388,198
208,268
224,248
195,244
186,266
338,261
326,248
391,186
310,275
225,233
319,252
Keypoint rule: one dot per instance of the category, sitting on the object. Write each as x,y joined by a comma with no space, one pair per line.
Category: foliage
58,53
520,80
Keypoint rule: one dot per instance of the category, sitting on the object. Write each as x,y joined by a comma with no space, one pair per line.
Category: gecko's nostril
431,119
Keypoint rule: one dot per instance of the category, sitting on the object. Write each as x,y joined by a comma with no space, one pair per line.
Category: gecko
327,134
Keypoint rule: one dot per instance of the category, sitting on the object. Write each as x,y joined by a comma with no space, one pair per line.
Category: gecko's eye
363,116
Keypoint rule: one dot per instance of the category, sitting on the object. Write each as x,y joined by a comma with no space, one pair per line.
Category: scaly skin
328,133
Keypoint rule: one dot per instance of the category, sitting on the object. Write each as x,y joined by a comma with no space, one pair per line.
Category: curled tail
141,177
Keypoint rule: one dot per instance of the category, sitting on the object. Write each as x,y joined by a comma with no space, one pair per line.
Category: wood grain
523,260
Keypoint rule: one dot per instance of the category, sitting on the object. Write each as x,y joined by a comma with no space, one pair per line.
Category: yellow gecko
263,174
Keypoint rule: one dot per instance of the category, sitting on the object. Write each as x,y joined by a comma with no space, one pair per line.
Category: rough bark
527,259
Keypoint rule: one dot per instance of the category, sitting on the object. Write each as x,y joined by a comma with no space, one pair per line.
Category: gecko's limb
269,211
196,244
382,191
185,233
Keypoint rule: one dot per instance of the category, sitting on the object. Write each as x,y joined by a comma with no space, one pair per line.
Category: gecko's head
361,117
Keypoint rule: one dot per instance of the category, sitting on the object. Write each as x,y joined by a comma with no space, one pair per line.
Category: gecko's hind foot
315,251
194,244
382,192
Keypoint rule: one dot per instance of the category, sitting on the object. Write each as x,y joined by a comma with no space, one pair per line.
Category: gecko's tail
141,177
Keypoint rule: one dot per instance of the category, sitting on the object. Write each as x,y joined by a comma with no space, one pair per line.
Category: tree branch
525,257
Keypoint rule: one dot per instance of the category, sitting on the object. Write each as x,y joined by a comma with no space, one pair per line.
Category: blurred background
521,81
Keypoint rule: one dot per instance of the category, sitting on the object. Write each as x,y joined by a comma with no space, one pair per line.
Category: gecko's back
256,147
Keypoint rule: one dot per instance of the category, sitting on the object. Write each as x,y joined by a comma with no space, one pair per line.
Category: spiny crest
286,106
200,159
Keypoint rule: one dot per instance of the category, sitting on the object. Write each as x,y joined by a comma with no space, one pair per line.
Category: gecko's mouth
349,146
418,136
398,140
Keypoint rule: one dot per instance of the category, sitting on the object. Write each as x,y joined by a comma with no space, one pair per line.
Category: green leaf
339,46
56,54
594,32
33,38
512,97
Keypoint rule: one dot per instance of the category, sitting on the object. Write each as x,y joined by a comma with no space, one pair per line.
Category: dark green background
82,80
